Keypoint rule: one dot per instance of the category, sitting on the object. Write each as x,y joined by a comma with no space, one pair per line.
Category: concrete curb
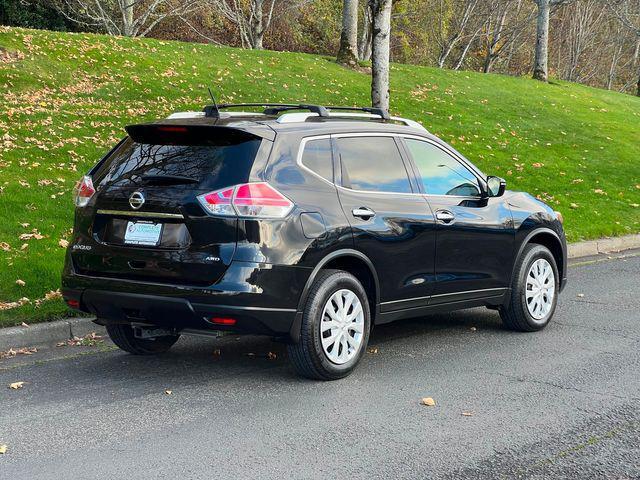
54,332
47,333
603,245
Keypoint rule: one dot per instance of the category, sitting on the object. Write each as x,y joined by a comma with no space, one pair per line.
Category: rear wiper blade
168,179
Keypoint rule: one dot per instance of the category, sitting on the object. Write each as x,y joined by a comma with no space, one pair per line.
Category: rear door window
206,166
372,164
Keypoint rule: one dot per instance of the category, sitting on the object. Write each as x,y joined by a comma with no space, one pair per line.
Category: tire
517,314
122,335
309,357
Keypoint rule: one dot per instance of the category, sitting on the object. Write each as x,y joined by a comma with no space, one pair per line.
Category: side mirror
496,186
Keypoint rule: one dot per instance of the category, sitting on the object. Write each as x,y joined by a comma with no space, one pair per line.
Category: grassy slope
66,97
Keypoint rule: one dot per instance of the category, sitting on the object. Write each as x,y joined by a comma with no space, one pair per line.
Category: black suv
307,223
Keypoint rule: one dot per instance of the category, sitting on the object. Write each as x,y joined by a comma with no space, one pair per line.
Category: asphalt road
562,403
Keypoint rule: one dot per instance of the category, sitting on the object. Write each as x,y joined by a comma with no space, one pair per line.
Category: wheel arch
551,240
349,260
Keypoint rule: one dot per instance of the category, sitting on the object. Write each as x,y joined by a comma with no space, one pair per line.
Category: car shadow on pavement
228,358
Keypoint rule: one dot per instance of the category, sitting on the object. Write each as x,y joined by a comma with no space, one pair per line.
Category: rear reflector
223,320
84,191
254,200
73,303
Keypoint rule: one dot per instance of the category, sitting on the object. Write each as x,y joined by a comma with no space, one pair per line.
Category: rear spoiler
185,134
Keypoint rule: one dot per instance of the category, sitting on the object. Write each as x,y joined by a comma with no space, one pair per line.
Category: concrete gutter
59,331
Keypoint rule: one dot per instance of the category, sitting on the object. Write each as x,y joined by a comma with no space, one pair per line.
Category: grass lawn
66,97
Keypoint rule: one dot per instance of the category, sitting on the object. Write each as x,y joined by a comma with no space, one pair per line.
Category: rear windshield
207,166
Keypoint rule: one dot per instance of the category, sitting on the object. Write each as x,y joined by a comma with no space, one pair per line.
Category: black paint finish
259,271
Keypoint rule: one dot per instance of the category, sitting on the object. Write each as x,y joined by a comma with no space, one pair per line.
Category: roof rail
269,108
303,116
290,115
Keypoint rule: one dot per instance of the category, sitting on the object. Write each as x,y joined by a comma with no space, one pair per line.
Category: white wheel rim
540,289
342,326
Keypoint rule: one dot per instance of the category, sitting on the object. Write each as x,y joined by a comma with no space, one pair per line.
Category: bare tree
628,12
348,51
495,27
252,19
380,45
449,37
584,19
132,18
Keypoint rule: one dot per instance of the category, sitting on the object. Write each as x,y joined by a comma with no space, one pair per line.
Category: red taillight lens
223,320
255,200
218,203
84,191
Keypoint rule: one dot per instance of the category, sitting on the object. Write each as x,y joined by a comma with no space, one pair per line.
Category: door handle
445,216
363,212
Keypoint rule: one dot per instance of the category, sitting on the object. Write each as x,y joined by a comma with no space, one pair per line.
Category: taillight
84,191
255,200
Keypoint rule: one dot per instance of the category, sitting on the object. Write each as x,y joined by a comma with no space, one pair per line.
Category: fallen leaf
271,356
20,351
168,392
217,352
467,414
20,283
16,385
428,401
24,324
63,243
5,246
372,350
3,449
89,340
580,295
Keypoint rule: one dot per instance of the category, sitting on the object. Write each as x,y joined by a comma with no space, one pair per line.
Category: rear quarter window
318,158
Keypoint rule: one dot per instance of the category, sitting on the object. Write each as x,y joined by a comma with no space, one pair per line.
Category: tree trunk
540,68
256,25
364,46
381,12
127,18
348,52
638,91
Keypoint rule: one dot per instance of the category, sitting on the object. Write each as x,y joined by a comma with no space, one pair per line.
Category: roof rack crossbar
269,108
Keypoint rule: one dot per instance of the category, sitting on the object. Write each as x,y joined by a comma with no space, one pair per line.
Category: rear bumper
262,298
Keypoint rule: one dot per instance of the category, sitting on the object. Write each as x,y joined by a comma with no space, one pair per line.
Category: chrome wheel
342,326
541,289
